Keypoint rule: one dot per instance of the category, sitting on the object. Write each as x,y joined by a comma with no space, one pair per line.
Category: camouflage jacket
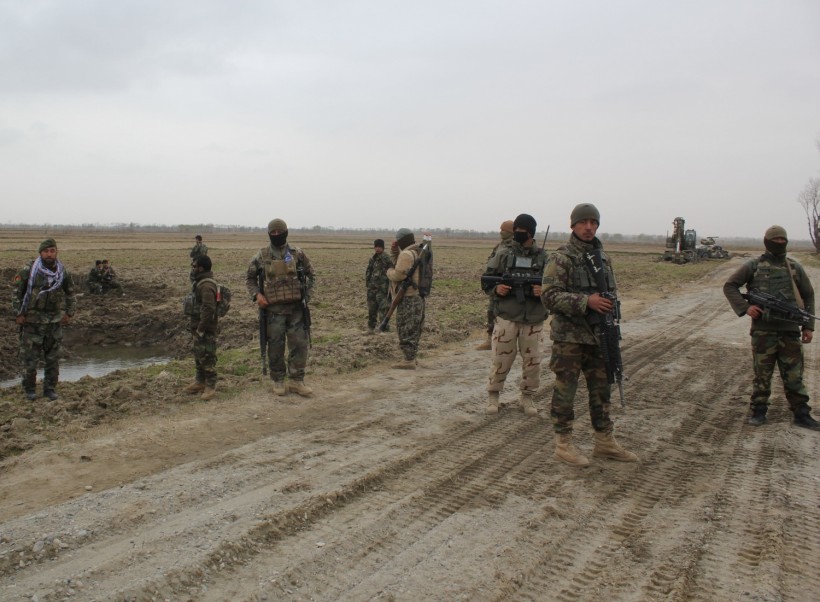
199,250
49,307
504,260
566,288
281,268
375,277
770,274
404,261
205,317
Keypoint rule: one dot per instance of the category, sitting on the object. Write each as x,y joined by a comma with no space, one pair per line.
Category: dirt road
394,485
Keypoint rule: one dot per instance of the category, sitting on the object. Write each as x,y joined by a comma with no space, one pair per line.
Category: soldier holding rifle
780,303
280,280
513,281
407,303
570,291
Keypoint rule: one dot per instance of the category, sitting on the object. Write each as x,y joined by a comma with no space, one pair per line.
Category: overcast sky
439,113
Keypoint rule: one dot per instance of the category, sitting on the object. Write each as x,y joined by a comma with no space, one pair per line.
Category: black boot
51,394
804,419
31,395
758,417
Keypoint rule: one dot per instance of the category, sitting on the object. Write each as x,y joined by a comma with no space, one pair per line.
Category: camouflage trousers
490,318
36,341
205,359
785,350
288,327
568,361
378,302
510,338
409,320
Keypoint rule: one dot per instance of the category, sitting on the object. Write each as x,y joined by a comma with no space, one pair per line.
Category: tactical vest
512,261
281,278
773,279
582,280
50,303
525,264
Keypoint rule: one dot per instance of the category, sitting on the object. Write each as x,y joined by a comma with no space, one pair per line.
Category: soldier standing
506,239
776,341
410,310
199,249
518,314
375,278
570,292
204,321
287,282
43,303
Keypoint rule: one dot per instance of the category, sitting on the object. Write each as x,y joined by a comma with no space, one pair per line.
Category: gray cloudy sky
382,113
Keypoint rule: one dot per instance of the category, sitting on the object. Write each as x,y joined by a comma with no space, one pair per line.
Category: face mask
521,237
278,240
775,248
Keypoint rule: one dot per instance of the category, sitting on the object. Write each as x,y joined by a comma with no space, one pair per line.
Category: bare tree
809,199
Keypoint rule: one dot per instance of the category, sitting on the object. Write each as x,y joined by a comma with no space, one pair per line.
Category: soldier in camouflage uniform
569,291
506,239
375,278
288,280
519,315
94,283
204,321
410,310
200,249
43,303
776,341
108,278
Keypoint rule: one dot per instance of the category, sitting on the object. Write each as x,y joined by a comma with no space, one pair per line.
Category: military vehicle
682,246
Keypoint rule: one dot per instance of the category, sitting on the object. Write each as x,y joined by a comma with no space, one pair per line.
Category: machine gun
406,283
306,321
782,309
263,322
607,326
517,280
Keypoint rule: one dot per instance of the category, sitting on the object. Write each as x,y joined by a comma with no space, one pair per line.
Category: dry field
389,485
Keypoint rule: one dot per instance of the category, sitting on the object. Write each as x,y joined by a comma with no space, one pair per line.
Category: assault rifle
263,322
607,326
783,310
406,283
516,280
306,321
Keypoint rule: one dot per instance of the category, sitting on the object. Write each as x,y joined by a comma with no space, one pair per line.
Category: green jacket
49,307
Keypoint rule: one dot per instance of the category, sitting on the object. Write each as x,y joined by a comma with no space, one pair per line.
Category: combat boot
485,345
208,393
758,417
803,419
566,451
279,387
526,404
405,365
194,388
607,447
300,388
492,403
51,394
371,331
31,394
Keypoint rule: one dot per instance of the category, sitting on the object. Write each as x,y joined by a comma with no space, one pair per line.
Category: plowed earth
394,485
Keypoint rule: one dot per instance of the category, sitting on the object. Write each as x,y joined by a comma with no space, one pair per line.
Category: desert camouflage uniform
203,326
518,324
283,291
410,311
378,285
774,341
566,287
42,333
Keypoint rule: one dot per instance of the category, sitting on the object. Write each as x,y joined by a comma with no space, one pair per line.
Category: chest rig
582,280
282,283
773,279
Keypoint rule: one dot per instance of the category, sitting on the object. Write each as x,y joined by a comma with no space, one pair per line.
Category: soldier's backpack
223,299
425,269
